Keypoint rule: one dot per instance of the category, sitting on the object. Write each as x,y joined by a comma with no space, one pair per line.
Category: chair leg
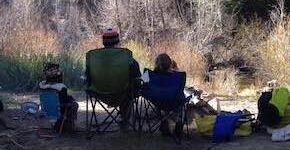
109,124
63,120
93,117
139,107
141,120
162,118
109,113
186,122
104,121
134,114
155,126
178,132
87,113
147,117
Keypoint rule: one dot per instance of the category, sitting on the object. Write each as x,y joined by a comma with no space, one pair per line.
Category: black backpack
268,114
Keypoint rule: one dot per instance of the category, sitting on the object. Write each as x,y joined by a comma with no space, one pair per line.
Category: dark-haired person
53,79
163,65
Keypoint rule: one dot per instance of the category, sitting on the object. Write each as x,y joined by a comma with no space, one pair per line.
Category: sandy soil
26,135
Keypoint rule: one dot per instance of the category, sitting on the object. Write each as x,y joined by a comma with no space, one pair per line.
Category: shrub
73,67
225,82
23,73
250,9
141,54
275,54
20,73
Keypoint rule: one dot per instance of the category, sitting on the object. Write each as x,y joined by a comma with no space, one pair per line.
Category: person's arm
63,97
135,69
43,85
135,75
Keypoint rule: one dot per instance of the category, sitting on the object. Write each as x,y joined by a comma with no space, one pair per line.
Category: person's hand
43,85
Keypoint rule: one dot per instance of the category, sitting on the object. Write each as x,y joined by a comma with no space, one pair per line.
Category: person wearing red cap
111,40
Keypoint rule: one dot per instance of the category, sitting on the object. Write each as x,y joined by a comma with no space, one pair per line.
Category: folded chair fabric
205,126
225,125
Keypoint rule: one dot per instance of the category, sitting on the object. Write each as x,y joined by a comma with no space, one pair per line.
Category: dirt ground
26,135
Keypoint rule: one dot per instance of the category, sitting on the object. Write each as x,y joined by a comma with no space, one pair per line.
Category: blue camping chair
164,96
50,107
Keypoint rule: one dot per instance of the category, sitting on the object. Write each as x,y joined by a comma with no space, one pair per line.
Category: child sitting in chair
53,79
164,66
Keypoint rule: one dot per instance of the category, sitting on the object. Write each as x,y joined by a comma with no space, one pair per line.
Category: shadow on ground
26,135
116,140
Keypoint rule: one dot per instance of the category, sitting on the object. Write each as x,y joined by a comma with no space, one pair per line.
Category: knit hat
53,73
110,37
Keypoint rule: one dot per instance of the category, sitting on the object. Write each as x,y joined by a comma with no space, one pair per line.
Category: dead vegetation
200,36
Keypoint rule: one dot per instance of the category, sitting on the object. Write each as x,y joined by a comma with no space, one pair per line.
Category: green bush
73,67
23,72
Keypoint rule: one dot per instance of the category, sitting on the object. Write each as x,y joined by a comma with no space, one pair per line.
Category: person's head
52,73
110,38
163,63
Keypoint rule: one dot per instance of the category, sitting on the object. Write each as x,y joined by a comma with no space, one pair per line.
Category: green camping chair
108,72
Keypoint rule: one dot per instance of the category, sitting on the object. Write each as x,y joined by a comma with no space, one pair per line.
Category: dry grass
30,42
275,54
24,53
224,82
191,61
141,54
247,40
